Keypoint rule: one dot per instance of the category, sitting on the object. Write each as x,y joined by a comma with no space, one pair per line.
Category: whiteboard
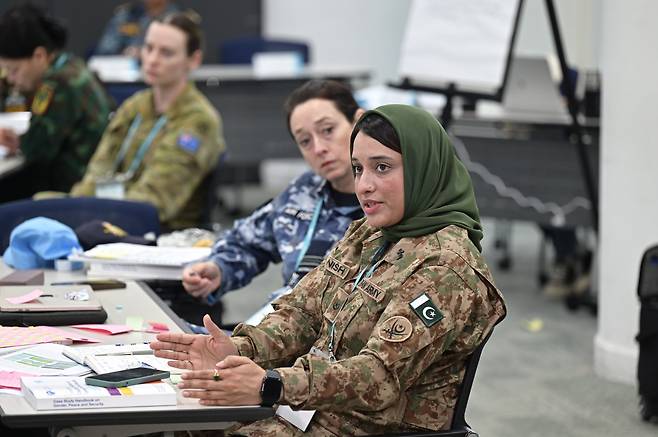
465,42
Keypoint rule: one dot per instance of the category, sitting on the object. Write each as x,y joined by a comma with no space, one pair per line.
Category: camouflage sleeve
103,159
385,368
291,329
246,250
51,123
182,159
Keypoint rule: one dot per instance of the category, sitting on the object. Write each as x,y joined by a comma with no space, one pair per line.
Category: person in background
70,108
376,338
124,33
163,141
300,225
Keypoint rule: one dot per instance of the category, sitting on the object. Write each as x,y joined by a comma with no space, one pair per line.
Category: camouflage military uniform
401,339
70,111
275,233
126,28
183,152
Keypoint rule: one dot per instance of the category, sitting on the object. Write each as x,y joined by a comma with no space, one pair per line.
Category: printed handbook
66,392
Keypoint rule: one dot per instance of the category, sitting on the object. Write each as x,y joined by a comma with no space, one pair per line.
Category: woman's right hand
194,351
201,279
10,140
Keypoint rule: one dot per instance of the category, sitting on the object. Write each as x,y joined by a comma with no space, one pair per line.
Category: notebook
52,305
52,298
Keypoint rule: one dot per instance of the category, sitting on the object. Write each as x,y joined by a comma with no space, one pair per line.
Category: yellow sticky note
534,325
136,323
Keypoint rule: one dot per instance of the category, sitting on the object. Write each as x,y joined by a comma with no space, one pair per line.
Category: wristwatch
270,391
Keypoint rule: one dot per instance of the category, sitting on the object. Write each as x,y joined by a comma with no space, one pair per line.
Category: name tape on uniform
372,290
425,309
337,268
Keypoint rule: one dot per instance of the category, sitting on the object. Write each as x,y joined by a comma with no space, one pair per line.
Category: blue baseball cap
38,242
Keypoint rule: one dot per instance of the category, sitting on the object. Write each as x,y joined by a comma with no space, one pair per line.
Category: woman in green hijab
374,339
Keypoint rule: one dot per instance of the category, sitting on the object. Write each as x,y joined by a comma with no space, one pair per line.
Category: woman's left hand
238,383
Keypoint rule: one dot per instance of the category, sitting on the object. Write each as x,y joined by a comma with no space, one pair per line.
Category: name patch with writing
372,290
395,329
337,268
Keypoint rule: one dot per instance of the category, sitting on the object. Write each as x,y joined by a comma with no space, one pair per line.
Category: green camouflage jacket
70,110
182,154
400,340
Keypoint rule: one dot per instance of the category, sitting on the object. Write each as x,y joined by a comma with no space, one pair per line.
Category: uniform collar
58,62
178,106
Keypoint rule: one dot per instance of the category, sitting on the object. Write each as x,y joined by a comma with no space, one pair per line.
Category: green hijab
437,187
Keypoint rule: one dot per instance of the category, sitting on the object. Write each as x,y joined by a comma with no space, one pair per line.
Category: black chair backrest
136,218
240,50
458,418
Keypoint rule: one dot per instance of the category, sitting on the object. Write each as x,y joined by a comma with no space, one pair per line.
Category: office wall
86,20
629,210
369,33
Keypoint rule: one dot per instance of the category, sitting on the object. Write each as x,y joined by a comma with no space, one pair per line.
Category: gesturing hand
194,351
238,382
10,140
201,279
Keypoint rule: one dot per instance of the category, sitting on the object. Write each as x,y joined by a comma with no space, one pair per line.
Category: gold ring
215,375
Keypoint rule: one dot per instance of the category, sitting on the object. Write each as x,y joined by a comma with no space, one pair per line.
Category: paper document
11,336
140,254
111,358
300,418
44,360
12,379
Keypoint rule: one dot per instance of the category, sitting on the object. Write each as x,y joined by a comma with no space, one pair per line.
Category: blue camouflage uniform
275,233
126,28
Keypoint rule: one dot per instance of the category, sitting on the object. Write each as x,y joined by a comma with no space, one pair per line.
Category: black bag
647,366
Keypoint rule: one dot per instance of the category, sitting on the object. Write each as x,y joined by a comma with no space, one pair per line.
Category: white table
135,300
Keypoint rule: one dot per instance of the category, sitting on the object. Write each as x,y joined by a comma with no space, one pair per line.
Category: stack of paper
112,358
43,359
138,261
55,393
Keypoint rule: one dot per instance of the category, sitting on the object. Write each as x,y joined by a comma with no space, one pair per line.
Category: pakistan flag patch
425,309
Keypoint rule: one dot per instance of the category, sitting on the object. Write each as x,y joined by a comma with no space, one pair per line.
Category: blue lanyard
61,60
143,148
370,268
309,234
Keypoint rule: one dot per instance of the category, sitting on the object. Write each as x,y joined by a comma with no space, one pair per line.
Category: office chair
458,426
136,218
241,50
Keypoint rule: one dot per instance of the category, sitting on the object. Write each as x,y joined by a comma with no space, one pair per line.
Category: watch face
270,391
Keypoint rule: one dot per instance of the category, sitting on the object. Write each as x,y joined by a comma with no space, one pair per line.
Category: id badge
319,353
110,189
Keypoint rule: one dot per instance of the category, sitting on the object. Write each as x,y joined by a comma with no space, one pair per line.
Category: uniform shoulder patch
42,99
395,329
425,309
130,29
188,142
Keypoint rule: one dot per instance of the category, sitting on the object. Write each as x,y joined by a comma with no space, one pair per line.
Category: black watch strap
270,391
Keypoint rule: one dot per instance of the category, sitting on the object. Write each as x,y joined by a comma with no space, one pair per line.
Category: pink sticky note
34,294
70,335
12,379
105,329
158,327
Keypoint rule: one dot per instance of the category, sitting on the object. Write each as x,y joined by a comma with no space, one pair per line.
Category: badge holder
112,187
